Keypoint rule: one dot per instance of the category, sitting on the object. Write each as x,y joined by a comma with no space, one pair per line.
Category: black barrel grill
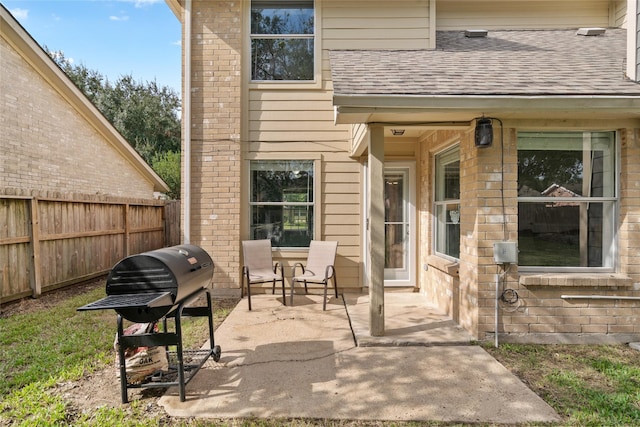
154,286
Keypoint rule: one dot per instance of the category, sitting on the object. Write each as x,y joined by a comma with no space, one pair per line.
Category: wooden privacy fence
47,243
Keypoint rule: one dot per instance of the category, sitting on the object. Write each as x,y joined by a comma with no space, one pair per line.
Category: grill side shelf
124,301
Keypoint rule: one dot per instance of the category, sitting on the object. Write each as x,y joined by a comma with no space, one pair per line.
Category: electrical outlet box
505,253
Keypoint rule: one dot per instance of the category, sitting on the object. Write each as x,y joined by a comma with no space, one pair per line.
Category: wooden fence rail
47,243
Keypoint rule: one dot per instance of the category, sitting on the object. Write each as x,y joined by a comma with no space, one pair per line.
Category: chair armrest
329,272
296,265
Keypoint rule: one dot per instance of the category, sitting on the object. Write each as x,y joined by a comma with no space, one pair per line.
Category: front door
399,224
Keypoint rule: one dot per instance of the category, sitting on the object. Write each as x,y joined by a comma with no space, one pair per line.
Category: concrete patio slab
408,321
299,361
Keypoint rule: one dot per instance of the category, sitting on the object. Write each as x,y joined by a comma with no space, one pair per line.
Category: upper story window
447,203
282,40
282,202
566,200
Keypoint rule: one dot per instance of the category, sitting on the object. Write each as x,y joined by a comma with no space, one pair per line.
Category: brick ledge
609,280
450,267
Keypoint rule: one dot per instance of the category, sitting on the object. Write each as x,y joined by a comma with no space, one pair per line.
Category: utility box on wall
505,253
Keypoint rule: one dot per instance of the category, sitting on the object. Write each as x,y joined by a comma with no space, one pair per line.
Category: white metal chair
320,268
259,267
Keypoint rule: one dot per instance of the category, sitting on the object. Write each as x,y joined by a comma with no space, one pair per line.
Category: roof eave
351,109
176,8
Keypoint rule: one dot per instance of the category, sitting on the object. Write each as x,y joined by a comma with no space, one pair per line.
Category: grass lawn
54,344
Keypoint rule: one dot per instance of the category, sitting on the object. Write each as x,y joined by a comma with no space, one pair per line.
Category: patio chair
259,267
319,269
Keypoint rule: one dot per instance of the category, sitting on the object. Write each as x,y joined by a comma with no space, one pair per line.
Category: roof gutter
421,102
469,106
633,40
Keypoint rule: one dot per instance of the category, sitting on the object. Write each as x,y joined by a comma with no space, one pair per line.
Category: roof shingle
531,62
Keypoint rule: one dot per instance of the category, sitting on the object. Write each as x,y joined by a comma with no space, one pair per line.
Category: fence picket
51,242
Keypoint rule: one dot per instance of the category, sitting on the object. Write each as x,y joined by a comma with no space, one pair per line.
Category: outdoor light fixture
484,132
397,132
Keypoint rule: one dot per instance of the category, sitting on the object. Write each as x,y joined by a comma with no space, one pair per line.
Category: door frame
410,167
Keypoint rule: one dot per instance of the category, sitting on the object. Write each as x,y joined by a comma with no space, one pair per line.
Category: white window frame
610,214
449,155
317,183
316,83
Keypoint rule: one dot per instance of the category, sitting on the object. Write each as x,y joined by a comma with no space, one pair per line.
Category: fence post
36,273
126,230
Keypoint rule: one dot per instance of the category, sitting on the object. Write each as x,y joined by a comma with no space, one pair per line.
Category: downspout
633,40
186,109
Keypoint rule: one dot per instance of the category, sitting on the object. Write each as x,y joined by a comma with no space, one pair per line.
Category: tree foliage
145,114
167,165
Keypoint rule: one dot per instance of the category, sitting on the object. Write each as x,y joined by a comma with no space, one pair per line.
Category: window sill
605,280
452,268
285,84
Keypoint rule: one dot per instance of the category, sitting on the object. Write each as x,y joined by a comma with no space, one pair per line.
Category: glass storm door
398,226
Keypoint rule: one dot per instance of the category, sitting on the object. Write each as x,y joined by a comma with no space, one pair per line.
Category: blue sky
114,37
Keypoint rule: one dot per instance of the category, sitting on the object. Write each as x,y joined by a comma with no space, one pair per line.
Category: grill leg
123,364
210,317
181,384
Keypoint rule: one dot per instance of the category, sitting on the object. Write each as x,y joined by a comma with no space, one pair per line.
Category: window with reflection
282,40
447,203
566,199
281,202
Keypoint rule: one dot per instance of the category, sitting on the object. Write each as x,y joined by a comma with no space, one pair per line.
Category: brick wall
215,131
47,145
540,314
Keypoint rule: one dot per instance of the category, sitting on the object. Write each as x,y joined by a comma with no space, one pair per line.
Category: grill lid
122,301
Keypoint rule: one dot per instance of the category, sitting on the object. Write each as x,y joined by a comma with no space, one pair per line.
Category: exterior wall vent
591,31
475,33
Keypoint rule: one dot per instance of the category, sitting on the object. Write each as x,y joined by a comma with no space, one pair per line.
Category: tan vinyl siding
619,14
461,15
378,24
295,123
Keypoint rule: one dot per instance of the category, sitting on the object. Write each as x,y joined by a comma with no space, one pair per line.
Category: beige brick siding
47,145
215,136
468,293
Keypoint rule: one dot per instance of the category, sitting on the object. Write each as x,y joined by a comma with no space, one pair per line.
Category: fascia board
416,103
176,8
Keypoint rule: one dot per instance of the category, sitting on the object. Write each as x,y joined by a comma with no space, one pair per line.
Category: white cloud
177,43
119,18
143,3
20,13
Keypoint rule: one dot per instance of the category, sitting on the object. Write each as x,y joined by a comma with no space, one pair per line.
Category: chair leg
293,285
249,292
273,287
335,284
284,298
324,299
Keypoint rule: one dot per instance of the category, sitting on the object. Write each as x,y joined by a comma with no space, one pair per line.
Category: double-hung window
566,200
447,203
282,40
282,202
